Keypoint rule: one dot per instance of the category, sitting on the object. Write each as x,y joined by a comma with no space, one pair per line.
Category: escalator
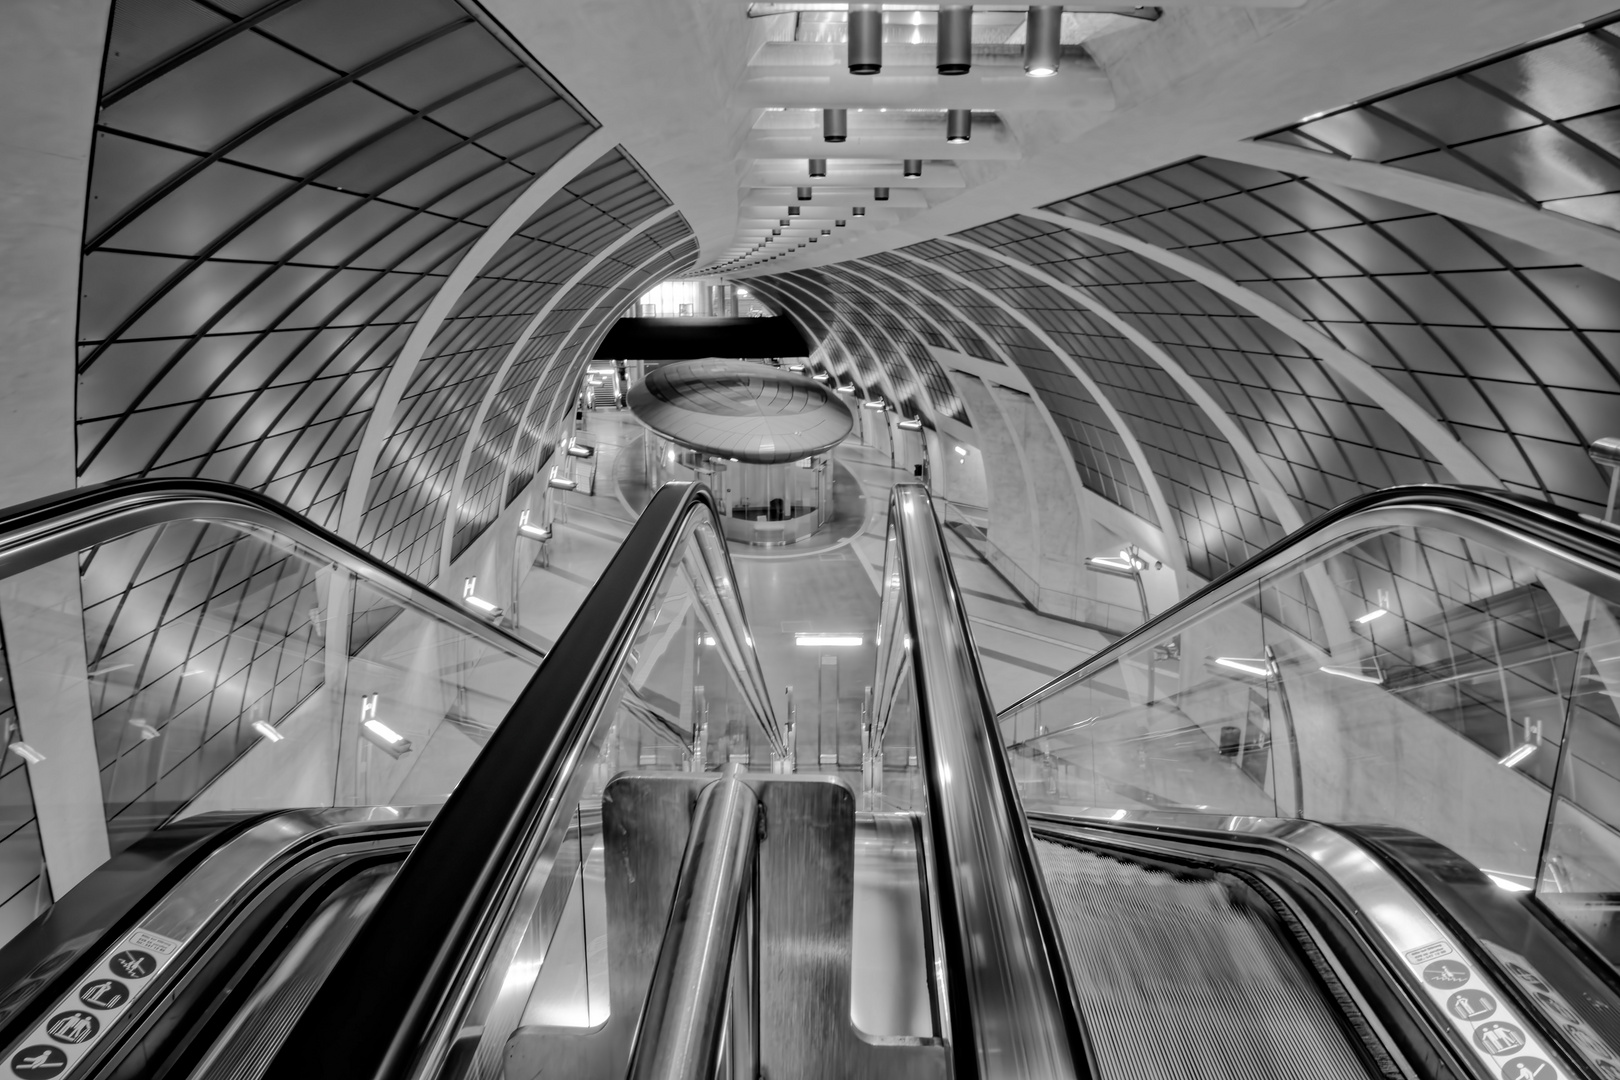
1247,840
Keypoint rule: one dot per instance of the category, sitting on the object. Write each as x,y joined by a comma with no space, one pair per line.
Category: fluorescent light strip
384,732
1375,613
1351,673
268,730
813,641
1517,755
1248,667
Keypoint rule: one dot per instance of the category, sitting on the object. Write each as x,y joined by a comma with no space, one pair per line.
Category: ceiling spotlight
958,125
840,223
784,221
865,34
776,232
793,211
880,194
859,211
912,167
1043,40
834,125
805,195
818,167
953,54
826,232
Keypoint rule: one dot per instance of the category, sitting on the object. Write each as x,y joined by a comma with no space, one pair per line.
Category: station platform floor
787,591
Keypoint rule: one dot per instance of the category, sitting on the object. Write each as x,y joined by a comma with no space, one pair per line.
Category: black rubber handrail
1542,533
36,532
376,1011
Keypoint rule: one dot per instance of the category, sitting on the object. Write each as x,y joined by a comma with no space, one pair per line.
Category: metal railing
1007,1004
1581,550
394,1004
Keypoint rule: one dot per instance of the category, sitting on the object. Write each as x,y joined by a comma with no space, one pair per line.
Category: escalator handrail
36,532
384,1009
1581,550
1011,1012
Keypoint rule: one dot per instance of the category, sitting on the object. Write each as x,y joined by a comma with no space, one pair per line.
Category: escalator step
1186,977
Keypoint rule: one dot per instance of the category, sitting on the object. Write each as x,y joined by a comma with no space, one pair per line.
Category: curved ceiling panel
409,493
1536,125
277,190
1515,350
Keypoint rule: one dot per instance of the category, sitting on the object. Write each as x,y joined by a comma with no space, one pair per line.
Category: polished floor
830,586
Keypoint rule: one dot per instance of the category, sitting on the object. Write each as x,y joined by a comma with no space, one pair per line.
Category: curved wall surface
1282,332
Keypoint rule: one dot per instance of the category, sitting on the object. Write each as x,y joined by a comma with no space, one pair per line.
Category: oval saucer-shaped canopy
735,409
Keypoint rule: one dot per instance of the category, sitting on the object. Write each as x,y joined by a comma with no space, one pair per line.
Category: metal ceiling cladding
737,409
274,198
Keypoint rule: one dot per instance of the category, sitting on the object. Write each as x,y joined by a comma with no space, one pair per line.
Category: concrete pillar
43,620
1062,541
1015,517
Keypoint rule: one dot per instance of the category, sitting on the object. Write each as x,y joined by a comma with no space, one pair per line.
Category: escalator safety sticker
1478,1013
91,1009
1433,951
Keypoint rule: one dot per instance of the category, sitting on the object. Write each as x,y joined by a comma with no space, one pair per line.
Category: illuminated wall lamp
533,532
875,403
268,731
378,733
1354,674
26,752
1517,755
561,483
577,449
147,731
795,367
847,388
821,376
914,424
1259,667
478,603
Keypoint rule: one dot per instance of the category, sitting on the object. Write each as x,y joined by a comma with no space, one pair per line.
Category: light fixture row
953,54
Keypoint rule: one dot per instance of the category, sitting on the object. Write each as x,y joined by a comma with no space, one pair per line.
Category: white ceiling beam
1080,86
851,174
986,145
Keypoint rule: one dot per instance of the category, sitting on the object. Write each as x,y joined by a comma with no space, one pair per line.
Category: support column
1015,518
41,612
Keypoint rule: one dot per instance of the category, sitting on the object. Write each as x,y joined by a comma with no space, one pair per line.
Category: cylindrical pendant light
840,223
958,125
793,211
865,39
818,166
1043,40
782,221
776,232
805,195
954,52
913,167
859,211
834,125
826,232
880,194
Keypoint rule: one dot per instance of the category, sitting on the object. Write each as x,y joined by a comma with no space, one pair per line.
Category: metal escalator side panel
1585,551
395,1003
125,974
1009,1008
